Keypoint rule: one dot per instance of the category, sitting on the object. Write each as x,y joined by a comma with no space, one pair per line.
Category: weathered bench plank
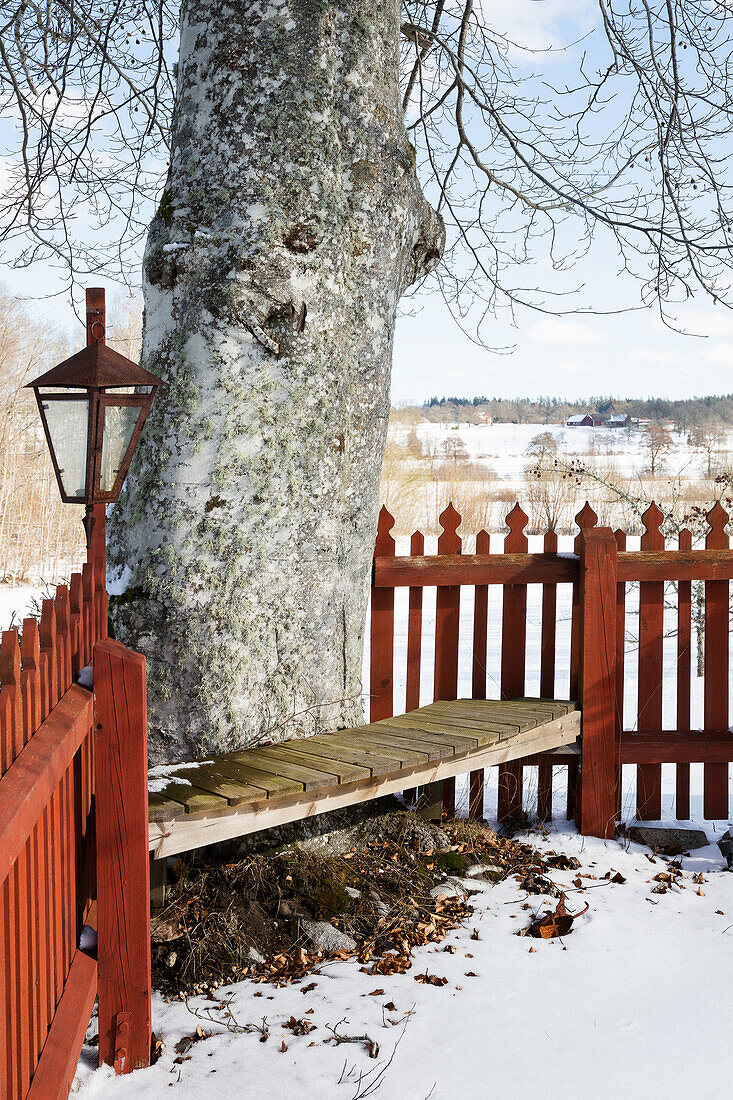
267,786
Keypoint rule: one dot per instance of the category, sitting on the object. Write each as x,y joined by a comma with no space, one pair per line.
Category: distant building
580,420
618,420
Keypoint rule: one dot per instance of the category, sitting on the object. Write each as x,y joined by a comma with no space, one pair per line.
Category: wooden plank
717,672
375,763
684,662
547,676
406,751
487,732
414,632
311,778
214,782
185,833
598,681
451,569
381,635
651,655
363,749
711,564
235,764
34,775
123,878
460,741
60,1056
163,809
437,747
677,747
193,799
447,628
339,769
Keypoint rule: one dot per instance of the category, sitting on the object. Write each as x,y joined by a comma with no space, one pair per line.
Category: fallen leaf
430,979
376,993
559,923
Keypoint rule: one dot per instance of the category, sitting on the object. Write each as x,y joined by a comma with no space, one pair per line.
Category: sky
631,353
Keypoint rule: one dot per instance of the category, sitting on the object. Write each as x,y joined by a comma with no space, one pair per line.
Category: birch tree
323,158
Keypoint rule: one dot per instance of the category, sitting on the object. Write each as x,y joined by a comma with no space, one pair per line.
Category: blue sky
625,354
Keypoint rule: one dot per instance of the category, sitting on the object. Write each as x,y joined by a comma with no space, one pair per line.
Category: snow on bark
291,223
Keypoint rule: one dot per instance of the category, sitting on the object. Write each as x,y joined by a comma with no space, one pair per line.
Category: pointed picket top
517,520
449,542
385,544
717,517
483,542
685,539
9,658
47,629
652,519
30,644
620,537
549,542
75,593
417,543
62,607
586,517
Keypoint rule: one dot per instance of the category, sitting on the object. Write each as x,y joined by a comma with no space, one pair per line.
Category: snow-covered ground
504,447
634,1003
15,603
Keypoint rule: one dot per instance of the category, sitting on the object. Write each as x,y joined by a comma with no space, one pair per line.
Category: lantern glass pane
68,427
119,424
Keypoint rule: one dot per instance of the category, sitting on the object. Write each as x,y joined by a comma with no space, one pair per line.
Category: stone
489,871
683,840
352,892
323,935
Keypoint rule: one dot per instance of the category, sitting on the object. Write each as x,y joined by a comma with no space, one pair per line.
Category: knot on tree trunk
428,245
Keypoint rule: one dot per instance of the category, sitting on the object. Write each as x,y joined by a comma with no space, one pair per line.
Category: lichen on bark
291,223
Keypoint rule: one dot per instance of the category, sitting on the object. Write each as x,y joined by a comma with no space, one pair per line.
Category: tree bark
291,223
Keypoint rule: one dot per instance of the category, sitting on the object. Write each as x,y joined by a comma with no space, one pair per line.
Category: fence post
597,613
123,884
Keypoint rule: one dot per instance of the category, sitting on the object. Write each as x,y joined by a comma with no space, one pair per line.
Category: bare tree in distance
321,160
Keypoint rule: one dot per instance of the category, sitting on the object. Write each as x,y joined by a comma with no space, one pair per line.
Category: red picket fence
68,796
599,574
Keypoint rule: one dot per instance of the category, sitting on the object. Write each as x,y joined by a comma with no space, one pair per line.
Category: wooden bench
258,788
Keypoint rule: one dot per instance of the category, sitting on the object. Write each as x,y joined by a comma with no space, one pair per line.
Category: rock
326,937
672,841
488,871
254,956
450,885
352,892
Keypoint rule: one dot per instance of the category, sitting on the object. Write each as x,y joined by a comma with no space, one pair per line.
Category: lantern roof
97,366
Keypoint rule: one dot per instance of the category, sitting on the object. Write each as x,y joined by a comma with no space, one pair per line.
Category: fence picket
715,782
381,665
651,656
547,677
478,673
447,623
513,646
414,632
586,518
620,537
684,660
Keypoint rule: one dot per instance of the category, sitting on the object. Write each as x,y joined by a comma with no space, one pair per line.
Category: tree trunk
291,223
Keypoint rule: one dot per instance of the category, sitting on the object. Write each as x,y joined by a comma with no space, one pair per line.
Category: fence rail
600,594
73,841
47,871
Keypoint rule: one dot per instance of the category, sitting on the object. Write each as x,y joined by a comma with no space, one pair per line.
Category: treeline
716,409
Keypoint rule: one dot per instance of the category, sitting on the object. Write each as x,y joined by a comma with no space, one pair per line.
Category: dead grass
378,892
